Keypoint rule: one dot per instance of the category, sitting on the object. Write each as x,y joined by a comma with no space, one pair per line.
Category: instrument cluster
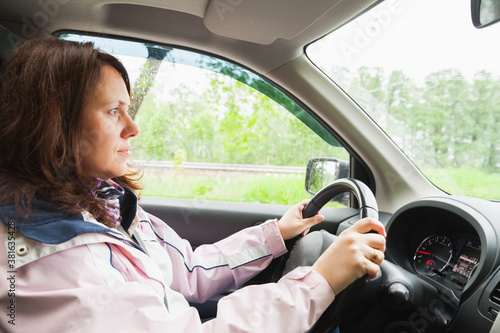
454,258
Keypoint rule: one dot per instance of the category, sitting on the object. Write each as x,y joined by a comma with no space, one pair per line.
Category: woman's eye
113,112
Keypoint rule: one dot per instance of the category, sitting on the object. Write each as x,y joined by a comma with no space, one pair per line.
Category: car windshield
431,81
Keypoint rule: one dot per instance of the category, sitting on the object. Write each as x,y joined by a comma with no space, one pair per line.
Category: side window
212,130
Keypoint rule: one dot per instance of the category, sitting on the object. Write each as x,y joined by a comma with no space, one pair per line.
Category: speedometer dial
433,255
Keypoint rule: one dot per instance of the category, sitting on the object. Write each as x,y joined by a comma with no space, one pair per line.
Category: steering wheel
310,247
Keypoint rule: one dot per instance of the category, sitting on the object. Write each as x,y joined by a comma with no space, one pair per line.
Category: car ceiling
262,34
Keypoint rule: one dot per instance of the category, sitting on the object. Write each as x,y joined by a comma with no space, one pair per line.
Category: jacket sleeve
70,297
212,269
293,304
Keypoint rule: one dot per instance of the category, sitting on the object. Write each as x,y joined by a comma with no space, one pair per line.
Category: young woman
81,255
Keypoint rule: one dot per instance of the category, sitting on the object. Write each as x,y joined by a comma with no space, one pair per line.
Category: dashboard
442,267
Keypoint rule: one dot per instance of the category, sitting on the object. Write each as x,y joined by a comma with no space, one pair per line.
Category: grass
281,190
469,182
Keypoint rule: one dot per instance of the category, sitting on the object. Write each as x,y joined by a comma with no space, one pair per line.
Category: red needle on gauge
424,253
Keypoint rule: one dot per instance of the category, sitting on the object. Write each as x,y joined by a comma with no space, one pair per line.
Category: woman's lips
125,152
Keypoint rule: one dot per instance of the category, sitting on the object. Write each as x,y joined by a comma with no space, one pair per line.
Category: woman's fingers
371,270
356,252
374,245
373,261
375,256
292,223
313,220
375,241
369,225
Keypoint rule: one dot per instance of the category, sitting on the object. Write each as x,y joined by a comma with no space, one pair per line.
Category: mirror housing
322,171
485,12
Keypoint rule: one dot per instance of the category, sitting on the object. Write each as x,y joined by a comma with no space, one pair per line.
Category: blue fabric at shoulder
47,225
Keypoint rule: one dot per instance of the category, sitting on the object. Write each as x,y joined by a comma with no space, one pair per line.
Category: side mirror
485,12
322,171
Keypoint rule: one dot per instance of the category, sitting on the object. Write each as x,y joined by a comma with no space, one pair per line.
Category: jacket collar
47,224
128,207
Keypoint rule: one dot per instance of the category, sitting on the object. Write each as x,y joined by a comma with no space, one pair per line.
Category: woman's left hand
292,224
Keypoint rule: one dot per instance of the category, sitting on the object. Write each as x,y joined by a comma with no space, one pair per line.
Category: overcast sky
419,36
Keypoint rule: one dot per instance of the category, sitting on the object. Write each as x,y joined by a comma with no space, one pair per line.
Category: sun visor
264,21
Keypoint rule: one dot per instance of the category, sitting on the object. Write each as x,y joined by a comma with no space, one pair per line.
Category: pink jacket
99,281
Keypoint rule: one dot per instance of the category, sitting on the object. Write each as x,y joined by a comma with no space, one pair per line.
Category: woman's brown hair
43,89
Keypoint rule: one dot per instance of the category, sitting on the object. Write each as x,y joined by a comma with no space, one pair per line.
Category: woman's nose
131,129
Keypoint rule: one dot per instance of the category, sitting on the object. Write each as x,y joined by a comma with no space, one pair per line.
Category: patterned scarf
110,191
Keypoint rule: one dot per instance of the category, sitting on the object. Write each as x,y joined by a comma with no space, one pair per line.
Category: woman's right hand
353,254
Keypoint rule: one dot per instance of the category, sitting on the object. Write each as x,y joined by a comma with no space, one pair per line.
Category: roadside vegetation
225,121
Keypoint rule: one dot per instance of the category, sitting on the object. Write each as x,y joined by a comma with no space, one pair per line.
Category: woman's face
107,127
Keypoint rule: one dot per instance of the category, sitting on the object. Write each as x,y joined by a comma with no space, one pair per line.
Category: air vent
489,303
495,294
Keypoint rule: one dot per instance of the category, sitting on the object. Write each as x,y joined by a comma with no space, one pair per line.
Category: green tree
483,112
